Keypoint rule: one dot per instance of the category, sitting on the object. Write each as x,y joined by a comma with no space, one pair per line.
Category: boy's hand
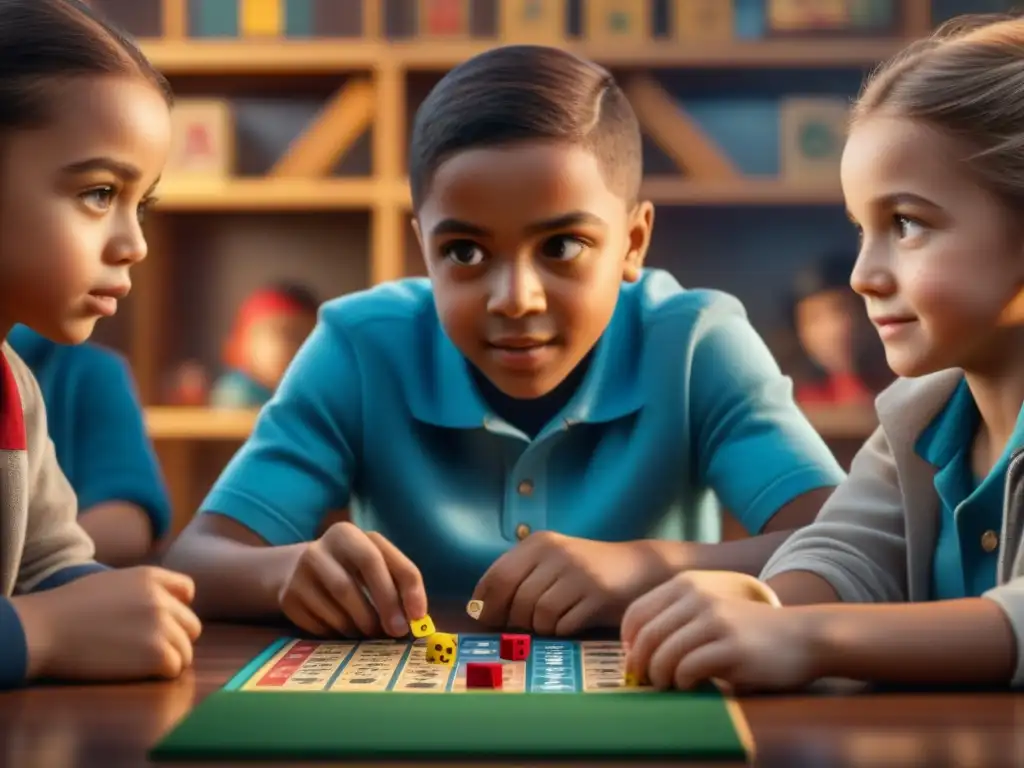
552,584
352,583
723,626
116,625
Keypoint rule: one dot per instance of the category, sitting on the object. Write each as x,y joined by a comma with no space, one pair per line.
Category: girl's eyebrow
125,171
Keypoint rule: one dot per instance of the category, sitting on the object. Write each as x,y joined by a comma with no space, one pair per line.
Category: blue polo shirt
96,423
970,508
682,404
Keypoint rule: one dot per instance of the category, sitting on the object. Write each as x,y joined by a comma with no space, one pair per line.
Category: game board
312,699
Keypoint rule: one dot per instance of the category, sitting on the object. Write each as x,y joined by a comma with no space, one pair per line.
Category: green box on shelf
213,18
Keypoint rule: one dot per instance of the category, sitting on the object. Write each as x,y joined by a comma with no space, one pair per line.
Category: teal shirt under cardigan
378,412
970,509
96,422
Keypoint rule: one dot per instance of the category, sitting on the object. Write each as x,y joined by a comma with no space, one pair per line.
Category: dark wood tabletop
115,725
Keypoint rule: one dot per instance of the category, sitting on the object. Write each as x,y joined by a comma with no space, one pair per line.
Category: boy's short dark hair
523,93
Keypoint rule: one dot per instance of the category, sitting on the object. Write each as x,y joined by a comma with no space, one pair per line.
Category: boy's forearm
745,556
121,531
967,641
234,581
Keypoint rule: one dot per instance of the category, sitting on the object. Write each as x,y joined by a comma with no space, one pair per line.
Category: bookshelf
378,198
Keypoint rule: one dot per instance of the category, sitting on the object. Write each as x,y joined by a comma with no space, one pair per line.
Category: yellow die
422,627
441,648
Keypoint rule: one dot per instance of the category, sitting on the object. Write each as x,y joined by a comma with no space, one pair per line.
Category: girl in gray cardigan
84,131
925,534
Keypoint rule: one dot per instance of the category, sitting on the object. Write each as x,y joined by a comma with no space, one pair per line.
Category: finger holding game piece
387,577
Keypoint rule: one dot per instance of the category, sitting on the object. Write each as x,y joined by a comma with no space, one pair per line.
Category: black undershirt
532,415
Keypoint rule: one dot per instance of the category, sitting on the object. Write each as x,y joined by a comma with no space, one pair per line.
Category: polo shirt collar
611,389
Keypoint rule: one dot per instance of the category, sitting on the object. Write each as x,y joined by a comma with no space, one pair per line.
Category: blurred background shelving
712,81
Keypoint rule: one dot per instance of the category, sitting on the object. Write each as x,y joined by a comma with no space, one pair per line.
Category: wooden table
113,726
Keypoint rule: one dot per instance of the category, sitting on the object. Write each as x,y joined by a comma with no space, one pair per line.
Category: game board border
732,705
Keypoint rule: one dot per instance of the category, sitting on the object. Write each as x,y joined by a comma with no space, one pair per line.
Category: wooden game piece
261,18
202,140
812,134
443,18
422,627
441,648
514,647
676,133
533,21
331,133
484,674
703,20
618,21
474,608
632,680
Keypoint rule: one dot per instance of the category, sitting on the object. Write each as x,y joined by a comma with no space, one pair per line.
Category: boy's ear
419,240
641,223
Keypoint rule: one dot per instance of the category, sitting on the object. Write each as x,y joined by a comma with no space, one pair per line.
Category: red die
514,647
483,674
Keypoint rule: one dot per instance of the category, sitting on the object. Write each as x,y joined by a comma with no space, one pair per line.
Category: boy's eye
463,253
563,247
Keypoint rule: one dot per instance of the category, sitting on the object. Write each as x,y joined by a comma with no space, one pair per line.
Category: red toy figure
483,674
843,356
514,647
270,327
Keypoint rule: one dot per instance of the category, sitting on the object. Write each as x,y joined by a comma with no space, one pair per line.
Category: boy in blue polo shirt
96,425
539,424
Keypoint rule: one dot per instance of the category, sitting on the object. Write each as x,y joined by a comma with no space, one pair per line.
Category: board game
304,699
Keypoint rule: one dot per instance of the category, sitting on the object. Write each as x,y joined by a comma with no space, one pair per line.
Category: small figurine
844,359
189,385
271,325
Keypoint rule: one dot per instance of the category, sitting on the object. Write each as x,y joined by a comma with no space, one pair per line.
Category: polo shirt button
989,541
522,531
525,488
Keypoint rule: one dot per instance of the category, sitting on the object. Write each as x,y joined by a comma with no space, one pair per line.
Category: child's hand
552,584
352,583
116,625
724,626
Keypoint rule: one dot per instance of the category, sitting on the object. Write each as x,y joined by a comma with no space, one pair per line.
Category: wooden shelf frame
385,194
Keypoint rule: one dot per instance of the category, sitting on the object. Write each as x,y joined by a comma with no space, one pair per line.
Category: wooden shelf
180,423
283,194
668,190
274,194
318,56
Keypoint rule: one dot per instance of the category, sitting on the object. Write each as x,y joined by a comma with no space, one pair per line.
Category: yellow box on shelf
261,18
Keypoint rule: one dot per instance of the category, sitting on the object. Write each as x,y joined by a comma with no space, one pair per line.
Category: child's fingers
406,576
536,605
306,619
677,636
186,618
498,586
178,584
645,608
337,597
713,660
359,555
649,638
176,649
